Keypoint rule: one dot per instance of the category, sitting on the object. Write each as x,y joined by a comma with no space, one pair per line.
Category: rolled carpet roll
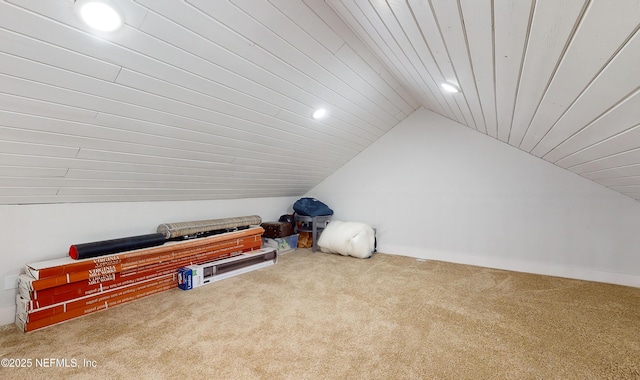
106,247
174,230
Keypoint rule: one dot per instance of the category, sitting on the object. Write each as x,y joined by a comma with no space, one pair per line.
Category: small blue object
185,278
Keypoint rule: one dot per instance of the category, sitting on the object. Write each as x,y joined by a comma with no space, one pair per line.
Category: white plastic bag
348,239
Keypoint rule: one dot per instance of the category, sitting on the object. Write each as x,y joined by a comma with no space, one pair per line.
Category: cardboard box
281,245
194,276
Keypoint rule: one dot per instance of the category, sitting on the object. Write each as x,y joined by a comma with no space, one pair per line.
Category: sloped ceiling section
201,99
559,79
193,99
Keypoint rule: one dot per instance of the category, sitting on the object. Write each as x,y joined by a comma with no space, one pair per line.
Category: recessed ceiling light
99,15
450,87
319,113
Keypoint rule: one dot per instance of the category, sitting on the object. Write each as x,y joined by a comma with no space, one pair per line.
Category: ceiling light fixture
100,15
450,87
319,113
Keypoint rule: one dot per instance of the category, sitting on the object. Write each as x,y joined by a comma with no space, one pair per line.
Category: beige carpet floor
321,316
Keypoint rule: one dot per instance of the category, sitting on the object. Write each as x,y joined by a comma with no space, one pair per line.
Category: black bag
286,218
311,207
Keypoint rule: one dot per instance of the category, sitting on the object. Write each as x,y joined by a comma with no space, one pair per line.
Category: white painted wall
438,190
39,232
433,189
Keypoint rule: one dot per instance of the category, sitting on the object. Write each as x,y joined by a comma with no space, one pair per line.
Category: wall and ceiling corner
199,100
437,190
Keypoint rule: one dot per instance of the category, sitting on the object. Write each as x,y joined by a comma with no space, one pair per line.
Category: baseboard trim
7,315
517,265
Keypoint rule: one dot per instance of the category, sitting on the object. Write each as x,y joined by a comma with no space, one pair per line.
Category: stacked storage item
279,235
57,290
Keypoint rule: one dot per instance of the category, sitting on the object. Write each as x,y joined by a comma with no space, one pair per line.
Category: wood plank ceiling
203,99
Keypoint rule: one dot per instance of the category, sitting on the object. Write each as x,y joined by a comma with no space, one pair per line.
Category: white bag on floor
348,239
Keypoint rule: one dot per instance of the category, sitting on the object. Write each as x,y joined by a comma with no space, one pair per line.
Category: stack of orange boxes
57,290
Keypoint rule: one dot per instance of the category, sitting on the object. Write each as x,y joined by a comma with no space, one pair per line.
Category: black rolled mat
106,247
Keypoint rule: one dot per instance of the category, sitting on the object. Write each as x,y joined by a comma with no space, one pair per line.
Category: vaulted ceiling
203,99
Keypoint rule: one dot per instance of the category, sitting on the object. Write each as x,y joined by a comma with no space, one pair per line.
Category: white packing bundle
348,239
